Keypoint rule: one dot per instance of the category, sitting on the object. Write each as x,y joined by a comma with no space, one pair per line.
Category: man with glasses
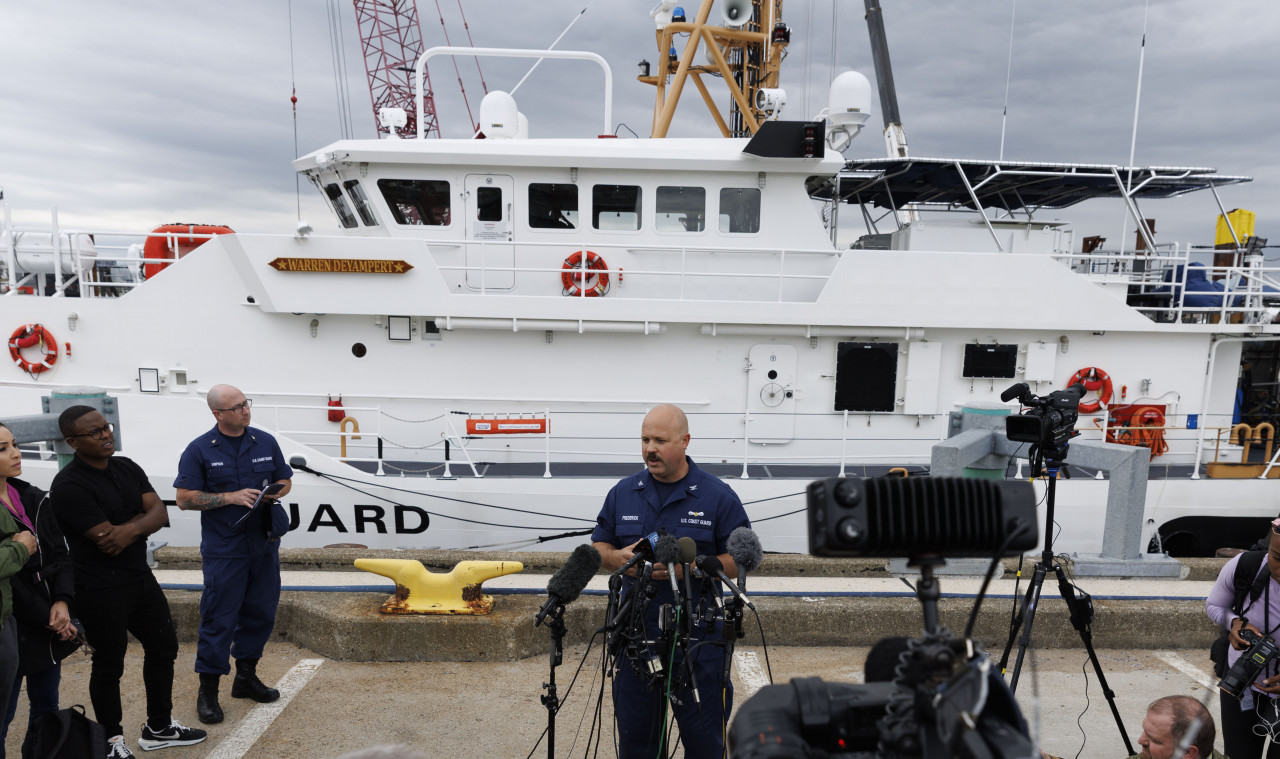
106,507
221,474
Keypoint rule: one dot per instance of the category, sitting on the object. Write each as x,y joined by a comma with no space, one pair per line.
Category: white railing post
547,436
746,445
844,439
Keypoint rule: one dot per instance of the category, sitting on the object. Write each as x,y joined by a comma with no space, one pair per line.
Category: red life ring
572,275
27,336
1094,380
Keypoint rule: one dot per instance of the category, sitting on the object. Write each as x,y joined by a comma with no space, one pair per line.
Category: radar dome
848,108
499,117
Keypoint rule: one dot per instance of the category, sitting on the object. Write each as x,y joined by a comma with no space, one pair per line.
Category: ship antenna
1133,141
1008,74
293,81
552,46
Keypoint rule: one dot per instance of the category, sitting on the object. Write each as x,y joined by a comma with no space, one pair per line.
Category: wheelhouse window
361,202
345,217
615,207
553,206
417,202
740,210
681,209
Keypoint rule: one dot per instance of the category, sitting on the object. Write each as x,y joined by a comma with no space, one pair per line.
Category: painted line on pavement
1180,663
260,717
750,675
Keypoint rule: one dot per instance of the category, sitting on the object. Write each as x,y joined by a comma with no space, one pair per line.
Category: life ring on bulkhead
158,246
572,275
1095,381
27,336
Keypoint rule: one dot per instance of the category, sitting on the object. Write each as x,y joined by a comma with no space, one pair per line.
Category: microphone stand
551,699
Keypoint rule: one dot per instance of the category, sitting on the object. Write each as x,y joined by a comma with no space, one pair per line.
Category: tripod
1080,608
551,699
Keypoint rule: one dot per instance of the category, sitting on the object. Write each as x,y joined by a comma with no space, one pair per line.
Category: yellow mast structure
747,56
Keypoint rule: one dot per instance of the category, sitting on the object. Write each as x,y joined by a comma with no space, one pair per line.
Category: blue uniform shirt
210,465
704,509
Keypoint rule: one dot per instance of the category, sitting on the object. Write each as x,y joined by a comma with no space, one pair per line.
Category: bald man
674,495
221,474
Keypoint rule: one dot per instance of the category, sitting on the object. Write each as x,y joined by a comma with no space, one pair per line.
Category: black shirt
84,496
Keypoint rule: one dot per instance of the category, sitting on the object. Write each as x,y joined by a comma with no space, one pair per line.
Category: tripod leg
1016,624
1029,611
1082,626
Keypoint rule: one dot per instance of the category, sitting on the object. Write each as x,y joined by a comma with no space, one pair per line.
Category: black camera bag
1246,582
65,734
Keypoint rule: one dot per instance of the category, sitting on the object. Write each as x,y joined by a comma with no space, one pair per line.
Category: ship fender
30,335
574,278
1095,381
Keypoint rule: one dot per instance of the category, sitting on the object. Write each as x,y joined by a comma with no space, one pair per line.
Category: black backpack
65,734
1247,582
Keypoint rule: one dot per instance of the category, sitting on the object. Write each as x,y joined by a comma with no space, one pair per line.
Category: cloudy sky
127,115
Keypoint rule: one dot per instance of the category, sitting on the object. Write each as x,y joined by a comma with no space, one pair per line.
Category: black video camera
1252,661
1049,422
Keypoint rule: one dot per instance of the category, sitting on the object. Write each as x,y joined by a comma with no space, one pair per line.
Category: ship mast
745,50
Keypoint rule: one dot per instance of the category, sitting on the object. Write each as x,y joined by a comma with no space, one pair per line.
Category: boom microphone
744,546
712,565
643,552
566,584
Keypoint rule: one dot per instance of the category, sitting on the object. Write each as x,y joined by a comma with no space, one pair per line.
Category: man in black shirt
107,508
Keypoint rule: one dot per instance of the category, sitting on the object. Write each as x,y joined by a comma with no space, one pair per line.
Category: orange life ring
573,278
1094,380
157,245
27,336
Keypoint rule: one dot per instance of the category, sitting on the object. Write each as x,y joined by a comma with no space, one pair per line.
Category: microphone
667,552
566,584
744,546
688,554
713,566
643,552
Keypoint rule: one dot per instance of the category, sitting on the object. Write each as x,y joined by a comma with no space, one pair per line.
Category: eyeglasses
239,408
98,433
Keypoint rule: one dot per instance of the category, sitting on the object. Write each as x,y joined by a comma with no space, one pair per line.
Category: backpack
1246,582
65,734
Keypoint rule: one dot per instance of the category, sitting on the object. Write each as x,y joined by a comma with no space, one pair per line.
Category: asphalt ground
492,709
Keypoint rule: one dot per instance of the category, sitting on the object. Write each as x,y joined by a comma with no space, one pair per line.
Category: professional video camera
1252,661
1049,422
946,699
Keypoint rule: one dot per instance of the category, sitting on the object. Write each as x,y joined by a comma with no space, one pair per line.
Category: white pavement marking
1180,663
261,716
750,675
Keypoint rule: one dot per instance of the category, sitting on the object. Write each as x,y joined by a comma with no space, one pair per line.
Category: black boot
247,684
207,708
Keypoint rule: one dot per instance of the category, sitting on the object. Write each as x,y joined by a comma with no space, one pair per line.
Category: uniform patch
696,513
216,463
630,518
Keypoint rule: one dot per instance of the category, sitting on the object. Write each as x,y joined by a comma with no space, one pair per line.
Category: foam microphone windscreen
568,583
688,550
710,565
667,551
744,546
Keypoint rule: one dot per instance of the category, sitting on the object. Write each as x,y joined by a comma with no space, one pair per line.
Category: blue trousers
639,710
42,693
237,609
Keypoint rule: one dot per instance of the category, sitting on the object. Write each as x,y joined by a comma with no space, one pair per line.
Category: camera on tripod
1051,419
1261,651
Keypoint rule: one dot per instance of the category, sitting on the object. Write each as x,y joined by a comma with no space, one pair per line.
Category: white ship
496,315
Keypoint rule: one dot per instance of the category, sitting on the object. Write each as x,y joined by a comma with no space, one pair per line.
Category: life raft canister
574,279
1095,381
159,247
30,335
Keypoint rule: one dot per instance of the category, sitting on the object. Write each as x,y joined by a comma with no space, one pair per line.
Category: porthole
358,350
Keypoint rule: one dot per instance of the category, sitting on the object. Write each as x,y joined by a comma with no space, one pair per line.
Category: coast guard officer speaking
221,474
674,495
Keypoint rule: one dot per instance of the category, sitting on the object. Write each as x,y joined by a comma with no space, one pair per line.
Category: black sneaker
176,734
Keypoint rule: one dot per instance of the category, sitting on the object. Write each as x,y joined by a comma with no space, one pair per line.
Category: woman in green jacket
16,546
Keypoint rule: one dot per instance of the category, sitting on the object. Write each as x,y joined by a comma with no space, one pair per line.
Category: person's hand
27,539
1237,642
245,497
60,621
115,538
1270,685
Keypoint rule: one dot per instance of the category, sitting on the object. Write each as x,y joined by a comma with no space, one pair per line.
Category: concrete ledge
349,627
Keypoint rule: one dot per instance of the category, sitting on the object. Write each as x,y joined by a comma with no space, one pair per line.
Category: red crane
391,41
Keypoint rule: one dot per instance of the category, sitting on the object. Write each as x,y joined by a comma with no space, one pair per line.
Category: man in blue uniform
221,474
674,495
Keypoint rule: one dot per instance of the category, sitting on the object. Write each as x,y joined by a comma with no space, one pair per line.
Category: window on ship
345,217
740,210
681,209
553,206
361,202
615,207
417,202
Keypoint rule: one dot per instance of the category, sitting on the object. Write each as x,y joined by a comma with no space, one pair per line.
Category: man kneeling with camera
1248,606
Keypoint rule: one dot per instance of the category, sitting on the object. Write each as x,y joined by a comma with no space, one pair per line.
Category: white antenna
1133,141
1008,74
552,45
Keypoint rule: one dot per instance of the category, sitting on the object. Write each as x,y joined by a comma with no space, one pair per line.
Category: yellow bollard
421,591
